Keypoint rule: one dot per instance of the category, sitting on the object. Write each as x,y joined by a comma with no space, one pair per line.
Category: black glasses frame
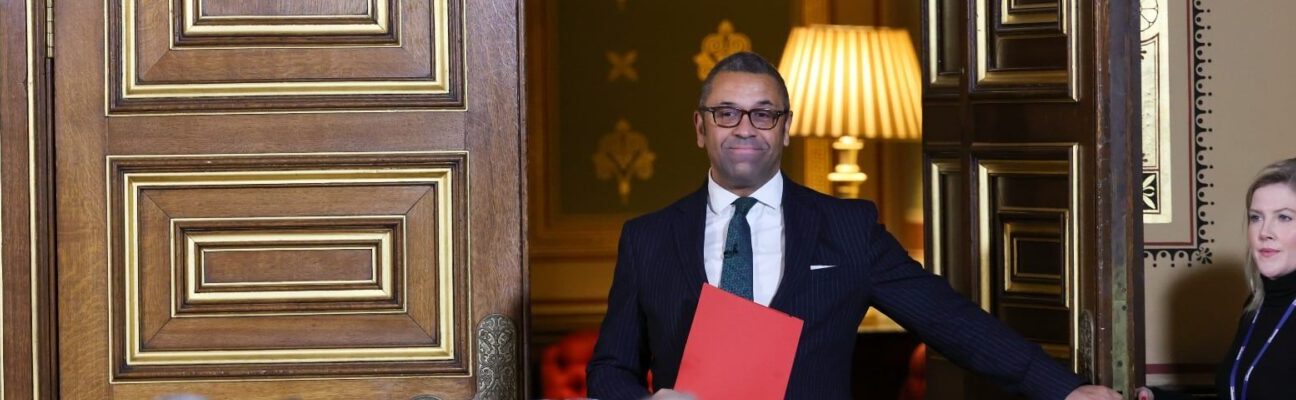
778,114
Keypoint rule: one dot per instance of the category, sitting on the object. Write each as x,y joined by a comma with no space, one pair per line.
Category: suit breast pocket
832,292
833,278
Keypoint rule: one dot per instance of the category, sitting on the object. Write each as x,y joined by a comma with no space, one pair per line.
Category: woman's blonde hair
1279,173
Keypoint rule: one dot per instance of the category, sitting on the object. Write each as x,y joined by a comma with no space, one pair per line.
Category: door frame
27,343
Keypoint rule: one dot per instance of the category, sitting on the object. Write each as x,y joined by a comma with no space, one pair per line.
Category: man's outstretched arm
957,328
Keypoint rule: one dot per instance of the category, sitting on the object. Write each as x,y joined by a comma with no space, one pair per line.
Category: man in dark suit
756,234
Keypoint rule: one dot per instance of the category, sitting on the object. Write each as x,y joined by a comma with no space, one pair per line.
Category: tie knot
742,205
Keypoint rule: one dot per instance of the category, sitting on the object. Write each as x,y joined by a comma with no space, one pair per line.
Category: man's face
742,157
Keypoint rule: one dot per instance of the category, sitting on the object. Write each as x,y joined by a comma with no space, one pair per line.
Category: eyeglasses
729,117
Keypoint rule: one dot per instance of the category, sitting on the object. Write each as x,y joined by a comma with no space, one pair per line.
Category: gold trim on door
133,89
1069,168
1011,271
1066,18
935,77
32,65
377,15
383,268
403,272
939,167
1013,13
134,183
988,168
202,275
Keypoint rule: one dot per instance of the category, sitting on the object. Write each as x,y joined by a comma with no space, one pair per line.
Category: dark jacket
660,272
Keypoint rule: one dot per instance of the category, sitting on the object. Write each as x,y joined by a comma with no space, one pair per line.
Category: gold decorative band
193,241
133,88
377,14
198,357
204,283
133,183
1016,233
1011,12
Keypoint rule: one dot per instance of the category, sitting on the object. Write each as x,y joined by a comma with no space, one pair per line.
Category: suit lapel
688,228
801,222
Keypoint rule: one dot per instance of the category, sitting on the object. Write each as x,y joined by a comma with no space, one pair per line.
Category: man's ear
699,127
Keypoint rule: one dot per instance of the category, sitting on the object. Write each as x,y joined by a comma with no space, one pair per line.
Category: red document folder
737,349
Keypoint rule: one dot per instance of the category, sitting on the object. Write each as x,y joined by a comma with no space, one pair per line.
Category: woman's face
1272,230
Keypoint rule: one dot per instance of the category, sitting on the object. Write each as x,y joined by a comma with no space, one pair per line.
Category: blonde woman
1261,363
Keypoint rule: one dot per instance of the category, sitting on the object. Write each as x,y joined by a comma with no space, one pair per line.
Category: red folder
737,349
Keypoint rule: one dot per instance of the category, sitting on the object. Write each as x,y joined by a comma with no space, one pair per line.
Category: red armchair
562,366
915,386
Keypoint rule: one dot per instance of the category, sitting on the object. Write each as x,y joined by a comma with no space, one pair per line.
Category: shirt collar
770,194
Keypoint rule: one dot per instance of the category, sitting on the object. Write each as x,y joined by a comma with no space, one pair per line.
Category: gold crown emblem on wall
719,45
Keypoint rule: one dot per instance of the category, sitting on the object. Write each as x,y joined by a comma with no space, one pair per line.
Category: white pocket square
814,267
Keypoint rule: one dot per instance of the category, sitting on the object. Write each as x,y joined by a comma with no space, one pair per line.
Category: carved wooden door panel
1032,144
288,199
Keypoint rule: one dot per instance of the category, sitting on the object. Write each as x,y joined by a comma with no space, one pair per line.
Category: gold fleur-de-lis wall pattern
625,86
719,45
622,66
623,154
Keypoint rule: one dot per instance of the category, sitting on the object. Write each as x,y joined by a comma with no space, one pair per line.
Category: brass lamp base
846,176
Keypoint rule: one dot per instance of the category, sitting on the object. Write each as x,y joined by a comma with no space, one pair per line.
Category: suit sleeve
954,326
619,366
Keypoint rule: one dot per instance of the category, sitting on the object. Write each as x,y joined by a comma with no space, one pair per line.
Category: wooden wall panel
353,21
234,265
1026,48
169,56
239,140
402,312
1046,81
946,177
282,8
25,261
1029,244
220,267
944,47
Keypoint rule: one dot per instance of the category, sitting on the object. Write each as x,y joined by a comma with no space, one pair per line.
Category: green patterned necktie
736,275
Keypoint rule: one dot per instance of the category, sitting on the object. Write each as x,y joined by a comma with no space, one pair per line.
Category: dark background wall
665,37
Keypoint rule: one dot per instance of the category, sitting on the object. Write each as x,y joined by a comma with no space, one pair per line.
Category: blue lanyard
1237,362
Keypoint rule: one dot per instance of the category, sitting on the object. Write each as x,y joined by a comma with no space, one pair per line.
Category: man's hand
1093,392
1143,393
667,394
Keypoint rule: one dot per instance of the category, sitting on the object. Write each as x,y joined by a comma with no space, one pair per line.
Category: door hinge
49,28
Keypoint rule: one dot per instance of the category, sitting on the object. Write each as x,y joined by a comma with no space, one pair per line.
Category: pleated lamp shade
853,81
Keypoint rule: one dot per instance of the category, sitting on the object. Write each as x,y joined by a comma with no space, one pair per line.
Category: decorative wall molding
1029,51
405,314
1157,134
1198,251
399,55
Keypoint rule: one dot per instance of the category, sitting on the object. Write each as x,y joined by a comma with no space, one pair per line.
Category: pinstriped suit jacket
660,271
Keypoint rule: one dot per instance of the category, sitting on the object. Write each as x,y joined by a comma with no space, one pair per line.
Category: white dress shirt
766,220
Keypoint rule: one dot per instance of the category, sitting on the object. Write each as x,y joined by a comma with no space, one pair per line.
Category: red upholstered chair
915,386
562,366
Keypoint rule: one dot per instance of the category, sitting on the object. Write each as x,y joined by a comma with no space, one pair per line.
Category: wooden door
1031,137
288,199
